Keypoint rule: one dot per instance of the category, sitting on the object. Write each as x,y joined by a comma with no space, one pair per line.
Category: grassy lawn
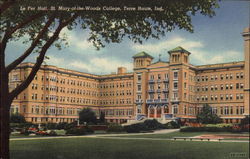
96,148
176,134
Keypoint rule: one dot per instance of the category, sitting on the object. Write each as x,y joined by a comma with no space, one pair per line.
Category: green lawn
101,148
176,134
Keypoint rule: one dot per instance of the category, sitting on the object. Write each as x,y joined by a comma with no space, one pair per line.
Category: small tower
142,60
246,36
179,55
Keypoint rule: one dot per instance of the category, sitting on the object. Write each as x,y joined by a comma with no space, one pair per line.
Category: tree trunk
4,114
4,130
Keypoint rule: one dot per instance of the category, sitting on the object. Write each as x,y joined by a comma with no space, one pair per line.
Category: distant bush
147,125
79,131
218,128
52,133
208,129
219,125
113,127
172,125
61,125
76,131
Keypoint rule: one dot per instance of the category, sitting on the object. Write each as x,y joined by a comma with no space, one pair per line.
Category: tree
17,118
39,30
102,117
87,115
206,116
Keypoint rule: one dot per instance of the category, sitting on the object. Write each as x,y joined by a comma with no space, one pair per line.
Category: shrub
153,125
89,130
147,125
51,125
52,133
172,125
70,125
76,131
79,131
61,125
115,128
208,129
135,128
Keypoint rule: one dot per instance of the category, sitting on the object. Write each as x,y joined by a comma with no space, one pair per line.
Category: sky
214,40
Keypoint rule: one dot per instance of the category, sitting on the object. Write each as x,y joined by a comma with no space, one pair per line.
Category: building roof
178,49
142,54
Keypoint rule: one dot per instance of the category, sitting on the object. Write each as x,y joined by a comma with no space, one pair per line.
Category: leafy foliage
102,117
108,26
17,118
206,116
147,125
87,115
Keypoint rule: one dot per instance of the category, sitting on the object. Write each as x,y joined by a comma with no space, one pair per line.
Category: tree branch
32,46
40,58
10,31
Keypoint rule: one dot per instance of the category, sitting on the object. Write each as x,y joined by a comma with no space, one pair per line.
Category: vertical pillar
162,111
148,112
246,36
155,112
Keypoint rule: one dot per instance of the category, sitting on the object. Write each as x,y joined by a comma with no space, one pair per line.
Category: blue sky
215,40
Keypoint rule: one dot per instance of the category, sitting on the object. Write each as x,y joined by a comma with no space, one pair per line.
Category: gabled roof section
142,54
179,49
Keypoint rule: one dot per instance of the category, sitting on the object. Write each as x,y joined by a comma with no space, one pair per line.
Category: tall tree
40,29
87,115
206,116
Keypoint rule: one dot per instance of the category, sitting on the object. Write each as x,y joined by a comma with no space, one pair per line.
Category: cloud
202,57
77,40
164,46
199,53
93,65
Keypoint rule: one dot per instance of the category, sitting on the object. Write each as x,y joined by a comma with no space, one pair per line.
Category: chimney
121,70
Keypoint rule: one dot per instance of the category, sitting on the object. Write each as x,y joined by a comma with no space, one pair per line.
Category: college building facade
160,90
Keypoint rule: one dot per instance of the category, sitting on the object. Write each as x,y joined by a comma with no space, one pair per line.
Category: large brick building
161,90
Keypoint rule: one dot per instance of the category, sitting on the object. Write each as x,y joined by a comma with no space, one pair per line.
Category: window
237,75
241,86
227,96
214,110
159,76
221,87
237,85
175,85
198,78
241,96
226,110
151,77
138,87
231,86
242,110
185,109
237,96
221,77
216,77
185,75
175,75
221,97
175,109
185,85
231,76
241,75
139,77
